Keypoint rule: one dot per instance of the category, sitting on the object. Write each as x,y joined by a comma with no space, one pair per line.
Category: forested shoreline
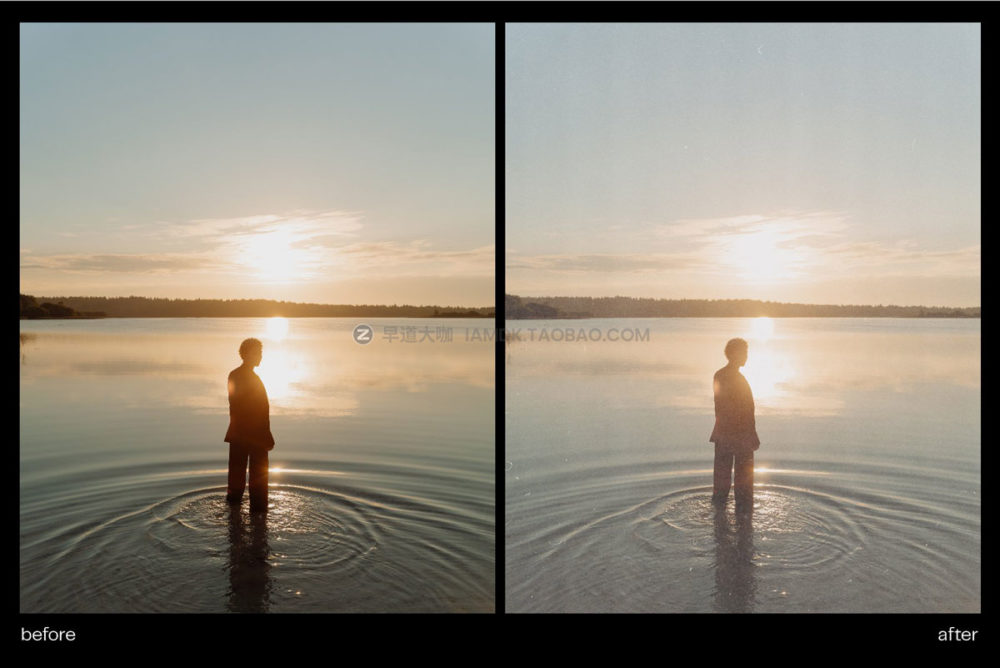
149,307
516,307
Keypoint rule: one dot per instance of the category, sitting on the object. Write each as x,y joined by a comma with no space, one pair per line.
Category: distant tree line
469,313
31,309
517,309
634,307
147,307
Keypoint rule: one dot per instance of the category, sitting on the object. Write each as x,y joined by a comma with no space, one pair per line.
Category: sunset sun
759,256
271,257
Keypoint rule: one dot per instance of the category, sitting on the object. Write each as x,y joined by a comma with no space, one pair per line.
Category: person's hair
735,345
250,345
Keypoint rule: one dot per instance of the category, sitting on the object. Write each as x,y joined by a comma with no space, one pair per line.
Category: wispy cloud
783,246
788,225
275,249
419,253
607,262
298,226
885,259
127,263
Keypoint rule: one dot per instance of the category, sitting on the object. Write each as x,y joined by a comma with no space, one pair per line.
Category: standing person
249,434
735,433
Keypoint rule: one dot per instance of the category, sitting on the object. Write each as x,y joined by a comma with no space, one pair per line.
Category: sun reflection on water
773,512
761,328
767,370
277,328
281,371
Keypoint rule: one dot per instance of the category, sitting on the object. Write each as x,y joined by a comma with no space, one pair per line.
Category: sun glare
768,370
271,257
277,328
760,257
767,373
281,370
762,328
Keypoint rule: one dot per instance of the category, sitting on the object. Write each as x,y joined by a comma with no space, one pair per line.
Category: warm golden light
277,328
767,371
761,257
281,371
761,329
271,257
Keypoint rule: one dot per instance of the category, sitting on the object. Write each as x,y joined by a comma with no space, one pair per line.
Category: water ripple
606,538
367,542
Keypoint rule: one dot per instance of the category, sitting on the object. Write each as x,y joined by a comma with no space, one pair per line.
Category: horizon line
729,299
251,299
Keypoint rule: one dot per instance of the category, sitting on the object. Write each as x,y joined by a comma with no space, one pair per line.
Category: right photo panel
742,318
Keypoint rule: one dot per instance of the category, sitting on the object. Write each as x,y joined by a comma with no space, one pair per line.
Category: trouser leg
723,473
237,472
744,478
258,480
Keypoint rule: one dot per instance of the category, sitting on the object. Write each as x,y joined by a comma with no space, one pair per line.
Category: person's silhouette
249,434
735,433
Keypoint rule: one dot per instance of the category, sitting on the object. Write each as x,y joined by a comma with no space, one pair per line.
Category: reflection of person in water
735,433
249,571
249,434
735,574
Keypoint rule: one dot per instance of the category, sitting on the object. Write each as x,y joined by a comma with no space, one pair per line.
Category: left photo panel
257,318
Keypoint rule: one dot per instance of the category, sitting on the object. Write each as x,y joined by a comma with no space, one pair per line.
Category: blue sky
337,163
833,163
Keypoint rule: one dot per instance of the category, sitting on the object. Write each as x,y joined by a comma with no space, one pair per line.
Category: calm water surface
382,478
867,495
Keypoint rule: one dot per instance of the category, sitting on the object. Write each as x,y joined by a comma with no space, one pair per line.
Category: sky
810,163
327,163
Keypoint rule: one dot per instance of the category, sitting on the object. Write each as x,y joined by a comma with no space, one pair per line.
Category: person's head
251,350
736,351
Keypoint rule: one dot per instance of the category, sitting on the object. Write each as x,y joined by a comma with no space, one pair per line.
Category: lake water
867,483
381,486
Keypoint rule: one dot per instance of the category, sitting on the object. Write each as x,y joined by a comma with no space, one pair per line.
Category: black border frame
767,636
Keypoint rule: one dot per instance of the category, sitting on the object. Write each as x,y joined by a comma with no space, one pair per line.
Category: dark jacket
249,411
735,426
